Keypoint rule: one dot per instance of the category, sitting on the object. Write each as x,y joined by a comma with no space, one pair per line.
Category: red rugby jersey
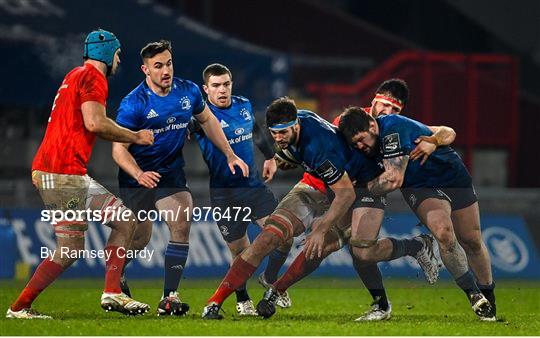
317,183
67,145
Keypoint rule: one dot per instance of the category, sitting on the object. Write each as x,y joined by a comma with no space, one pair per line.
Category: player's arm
426,145
126,161
344,197
96,121
392,177
261,141
210,125
442,135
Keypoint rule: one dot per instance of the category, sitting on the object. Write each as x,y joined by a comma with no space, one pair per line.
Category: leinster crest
185,103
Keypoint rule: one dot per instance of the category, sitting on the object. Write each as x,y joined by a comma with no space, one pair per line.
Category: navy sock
467,284
276,259
241,293
489,292
372,279
404,247
175,261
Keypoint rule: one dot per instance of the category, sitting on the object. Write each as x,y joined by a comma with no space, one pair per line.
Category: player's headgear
394,92
101,45
281,114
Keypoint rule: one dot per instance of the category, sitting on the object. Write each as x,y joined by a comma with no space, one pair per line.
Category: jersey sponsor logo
240,138
224,124
171,119
239,131
508,251
327,170
151,114
391,143
245,114
170,127
185,103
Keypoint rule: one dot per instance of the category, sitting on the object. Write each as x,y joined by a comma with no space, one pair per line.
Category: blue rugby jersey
168,117
321,151
237,122
443,168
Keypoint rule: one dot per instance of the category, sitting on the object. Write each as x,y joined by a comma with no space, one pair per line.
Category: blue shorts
255,203
365,199
459,193
141,198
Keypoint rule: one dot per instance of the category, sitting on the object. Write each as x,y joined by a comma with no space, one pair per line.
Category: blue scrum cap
101,45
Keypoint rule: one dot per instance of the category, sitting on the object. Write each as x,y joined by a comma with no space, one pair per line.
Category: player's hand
314,243
148,179
269,169
284,165
145,137
235,161
425,146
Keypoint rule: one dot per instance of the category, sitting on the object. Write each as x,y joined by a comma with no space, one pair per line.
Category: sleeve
198,102
93,88
194,127
363,169
127,114
396,139
328,164
262,141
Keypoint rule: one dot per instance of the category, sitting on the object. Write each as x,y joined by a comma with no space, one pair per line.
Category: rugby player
440,192
367,217
315,143
59,173
153,178
228,190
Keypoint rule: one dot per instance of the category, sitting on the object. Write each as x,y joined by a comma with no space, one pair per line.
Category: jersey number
63,86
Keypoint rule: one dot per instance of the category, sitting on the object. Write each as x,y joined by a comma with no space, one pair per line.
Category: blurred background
471,65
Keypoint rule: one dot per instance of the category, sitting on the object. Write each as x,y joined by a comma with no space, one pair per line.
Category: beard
373,151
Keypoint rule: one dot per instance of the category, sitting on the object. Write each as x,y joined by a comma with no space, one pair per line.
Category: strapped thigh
282,222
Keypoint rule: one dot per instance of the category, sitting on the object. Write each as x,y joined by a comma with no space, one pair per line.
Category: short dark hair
353,121
397,88
281,110
156,47
215,69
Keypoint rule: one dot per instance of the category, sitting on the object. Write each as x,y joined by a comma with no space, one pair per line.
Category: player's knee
141,240
270,239
116,215
442,230
364,255
280,225
446,238
472,246
68,253
286,246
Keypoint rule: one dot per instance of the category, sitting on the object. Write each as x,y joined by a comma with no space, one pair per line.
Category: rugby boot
172,305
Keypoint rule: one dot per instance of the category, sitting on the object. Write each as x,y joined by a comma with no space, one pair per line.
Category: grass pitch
320,307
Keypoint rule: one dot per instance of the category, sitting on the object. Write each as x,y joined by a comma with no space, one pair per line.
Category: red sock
299,268
45,274
113,268
238,274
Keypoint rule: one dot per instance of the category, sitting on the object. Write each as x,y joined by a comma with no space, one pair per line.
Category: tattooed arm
392,177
